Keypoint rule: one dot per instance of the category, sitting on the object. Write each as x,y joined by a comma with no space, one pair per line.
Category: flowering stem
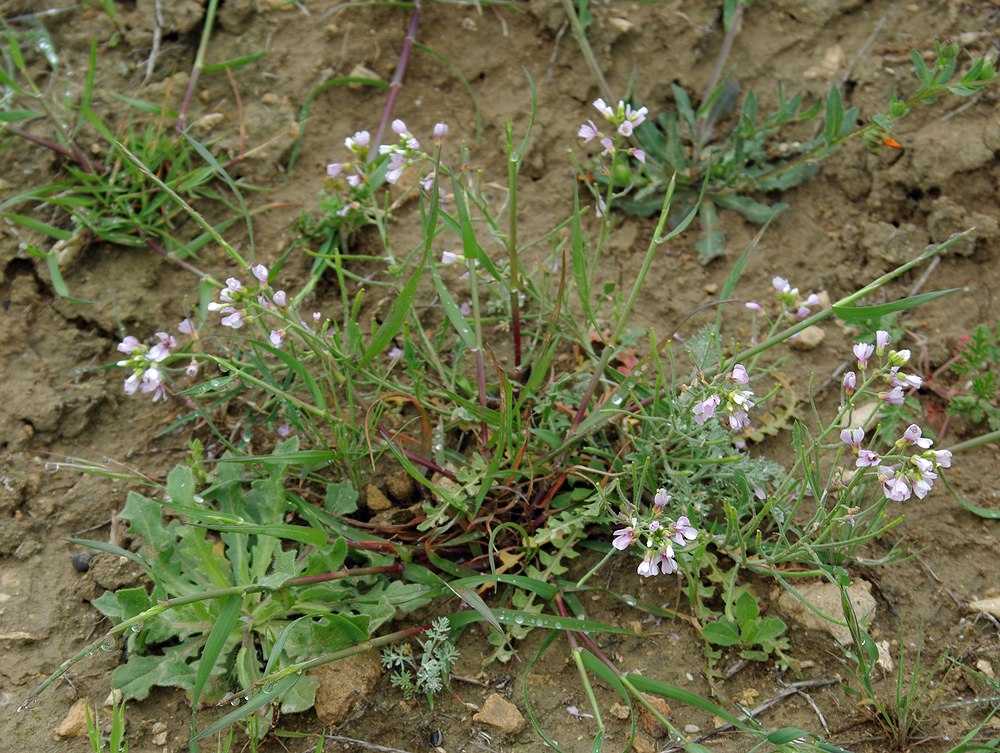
513,165
588,53
199,62
969,444
397,78
871,287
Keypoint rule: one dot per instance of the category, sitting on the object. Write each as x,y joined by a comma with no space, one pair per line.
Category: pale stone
75,723
620,711
500,713
825,597
342,683
375,500
808,339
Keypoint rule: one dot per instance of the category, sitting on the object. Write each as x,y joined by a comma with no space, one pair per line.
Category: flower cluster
235,299
406,150
737,401
624,119
913,474
658,534
148,362
791,301
896,381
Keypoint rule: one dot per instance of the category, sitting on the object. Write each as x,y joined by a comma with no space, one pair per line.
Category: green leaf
721,633
602,670
282,569
38,226
138,676
217,639
103,546
301,696
834,115
754,211
180,486
787,734
302,534
451,310
144,515
745,610
859,315
341,498
235,62
768,630
680,695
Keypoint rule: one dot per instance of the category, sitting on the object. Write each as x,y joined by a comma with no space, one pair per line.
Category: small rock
984,666
75,723
112,571
692,729
825,597
991,606
500,713
375,500
401,487
269,98
642,745
81,561
653,726
620,711
884,661
159,733
342,683
808,339
360,71
209,122
622,24
113,699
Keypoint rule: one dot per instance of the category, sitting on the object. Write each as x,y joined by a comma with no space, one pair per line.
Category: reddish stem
397,78
345,573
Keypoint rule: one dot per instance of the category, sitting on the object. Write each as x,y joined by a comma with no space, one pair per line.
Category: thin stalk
397,78
930,253
513,166
199,62
992,436
588,53
701,126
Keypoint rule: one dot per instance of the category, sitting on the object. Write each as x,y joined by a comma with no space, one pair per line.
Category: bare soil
857,219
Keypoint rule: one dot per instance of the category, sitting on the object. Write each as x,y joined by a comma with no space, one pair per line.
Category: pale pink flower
129,344
192,369
739,374
186,327
260,272
894,396
684,531
914,435
280,299
661,498
863,351
440,132
850,382
867,458
706,409
588,132
754,307
334,169
881,340
853,438
625,536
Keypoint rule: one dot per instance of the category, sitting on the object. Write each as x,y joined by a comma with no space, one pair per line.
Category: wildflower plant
724,153
520,466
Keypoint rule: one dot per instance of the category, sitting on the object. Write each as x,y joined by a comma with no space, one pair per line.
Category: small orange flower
890,142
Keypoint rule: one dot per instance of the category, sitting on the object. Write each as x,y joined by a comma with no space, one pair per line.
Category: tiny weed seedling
978,365
428,673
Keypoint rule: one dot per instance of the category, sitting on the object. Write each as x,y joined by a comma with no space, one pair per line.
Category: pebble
692,729
620,711
500,713
159,733
75,723
808,339
113,699
375,500
650,724
343,683
81,561
209,122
